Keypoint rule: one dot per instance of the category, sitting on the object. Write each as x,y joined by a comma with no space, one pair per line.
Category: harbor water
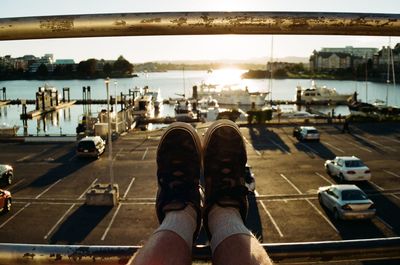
171,84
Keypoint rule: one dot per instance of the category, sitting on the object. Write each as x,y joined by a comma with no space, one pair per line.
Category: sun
225,76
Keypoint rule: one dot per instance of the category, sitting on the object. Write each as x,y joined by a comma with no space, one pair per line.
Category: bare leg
178,198
164,248
240,249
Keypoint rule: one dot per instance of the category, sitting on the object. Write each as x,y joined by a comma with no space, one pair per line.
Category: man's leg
178,203
226,197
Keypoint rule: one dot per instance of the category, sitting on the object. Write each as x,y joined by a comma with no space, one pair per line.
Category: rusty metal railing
199,23
285,253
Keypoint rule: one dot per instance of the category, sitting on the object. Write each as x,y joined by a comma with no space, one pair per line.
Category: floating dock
35,113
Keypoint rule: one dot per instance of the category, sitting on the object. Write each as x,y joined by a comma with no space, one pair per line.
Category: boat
184,111
230,95
155,96
320,94
8,130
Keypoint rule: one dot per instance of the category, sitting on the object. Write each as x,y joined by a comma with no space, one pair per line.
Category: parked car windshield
354,163
86,145
312,131
353,195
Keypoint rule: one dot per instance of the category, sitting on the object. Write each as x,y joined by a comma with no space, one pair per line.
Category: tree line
87,69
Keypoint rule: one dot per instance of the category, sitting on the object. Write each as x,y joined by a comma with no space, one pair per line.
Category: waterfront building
340,58
364,52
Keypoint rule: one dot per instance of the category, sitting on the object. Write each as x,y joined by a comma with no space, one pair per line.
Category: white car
348,168
6,174
346,202
250,180
91,146
308,133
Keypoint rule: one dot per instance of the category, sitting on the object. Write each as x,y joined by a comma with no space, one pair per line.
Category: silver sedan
346,202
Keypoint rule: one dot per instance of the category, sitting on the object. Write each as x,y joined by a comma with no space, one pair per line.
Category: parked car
346,202
250,180
348,168
5,201
308,133
6,174
91,146
296,131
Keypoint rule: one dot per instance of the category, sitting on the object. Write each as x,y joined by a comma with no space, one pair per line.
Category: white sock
224,222
182,222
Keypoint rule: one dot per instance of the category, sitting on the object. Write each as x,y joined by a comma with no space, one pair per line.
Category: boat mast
184,85
270,71
388,72
366,78
393,72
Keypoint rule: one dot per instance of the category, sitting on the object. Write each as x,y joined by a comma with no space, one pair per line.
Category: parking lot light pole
107,81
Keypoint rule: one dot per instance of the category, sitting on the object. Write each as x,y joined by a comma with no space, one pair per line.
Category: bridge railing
199,23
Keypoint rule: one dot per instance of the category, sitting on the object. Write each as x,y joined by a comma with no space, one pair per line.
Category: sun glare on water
225,76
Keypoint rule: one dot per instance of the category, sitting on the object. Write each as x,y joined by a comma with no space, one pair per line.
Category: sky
139,49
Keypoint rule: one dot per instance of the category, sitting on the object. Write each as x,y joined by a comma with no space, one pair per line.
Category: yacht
320,94
231,95
184,111
155,96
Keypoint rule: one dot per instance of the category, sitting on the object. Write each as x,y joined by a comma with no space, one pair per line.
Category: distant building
325,61
382,58
359,52
65,61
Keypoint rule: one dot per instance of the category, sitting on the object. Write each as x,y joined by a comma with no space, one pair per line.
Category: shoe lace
228,185
176,180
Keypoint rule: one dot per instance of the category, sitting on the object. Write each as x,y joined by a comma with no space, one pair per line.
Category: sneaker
224,168
179,165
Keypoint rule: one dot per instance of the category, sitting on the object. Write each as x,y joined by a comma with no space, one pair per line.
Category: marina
169,84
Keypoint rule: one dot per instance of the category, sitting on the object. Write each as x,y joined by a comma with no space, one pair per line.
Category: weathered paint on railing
199,23
362,249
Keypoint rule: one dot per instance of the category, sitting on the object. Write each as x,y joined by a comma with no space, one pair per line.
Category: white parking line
309,148
269,215
376,143
12,217
46,190
322,215
334,147
397,197
83,194
390,139
353,144
111,222
391,173
59,221
384,222
129,186
32,155
376,186
145,152
72,158
251,146
280,147
16,184
291,183
327,180
360,147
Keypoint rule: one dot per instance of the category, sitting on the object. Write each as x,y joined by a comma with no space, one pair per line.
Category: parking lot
50,185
